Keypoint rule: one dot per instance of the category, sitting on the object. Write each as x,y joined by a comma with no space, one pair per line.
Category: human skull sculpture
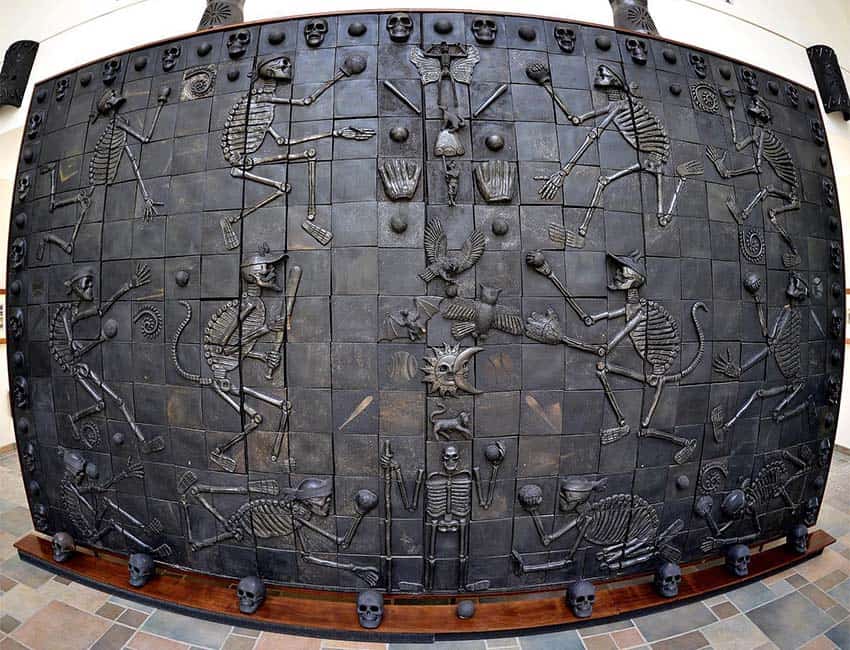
314,31
400,27
667,578
751,80
18,253
15,325
738,560
792,94
824,448
565,38
370,608
21,393
818,134
170,55
251,592
39,517
111,69
485,30
451,458
581,595
798,538
637,49
34,125
237,43
141,569
23,187
61,89
63,547
699,65
810,511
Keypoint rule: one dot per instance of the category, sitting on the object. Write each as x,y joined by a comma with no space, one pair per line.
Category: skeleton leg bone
601,184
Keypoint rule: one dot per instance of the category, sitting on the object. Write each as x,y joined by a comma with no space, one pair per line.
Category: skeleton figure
91,511
638,126
655,335
70,352
448,504
447,65
290,512
768,147
749,501
229,339
109,151
783,343
250,121
624,525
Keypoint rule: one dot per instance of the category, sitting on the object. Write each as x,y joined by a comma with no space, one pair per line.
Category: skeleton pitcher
69,352
109,151
654,334
250,121
639,127
273,512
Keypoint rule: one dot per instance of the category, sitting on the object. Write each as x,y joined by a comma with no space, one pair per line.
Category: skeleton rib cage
656,339
618,519
642,129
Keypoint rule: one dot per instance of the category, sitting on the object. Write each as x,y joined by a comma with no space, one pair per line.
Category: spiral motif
705,98
88,434
752,245
198,82
151,321
712,479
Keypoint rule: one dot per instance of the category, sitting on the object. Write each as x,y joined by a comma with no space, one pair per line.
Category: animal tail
437,412
701,337
175,342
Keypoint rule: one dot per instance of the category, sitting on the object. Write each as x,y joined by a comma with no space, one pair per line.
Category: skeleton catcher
288,514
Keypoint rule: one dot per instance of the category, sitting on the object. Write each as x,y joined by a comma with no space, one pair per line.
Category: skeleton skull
738,560
824,448
399,26
170,56
28,457
16,324
818,134
111,69
667,578
23,188
792,94
798,538
61,89
637,48
39,517
699,65
238,42
751,80
21,393
828,191
810,511
18,253
141,569
451,458
370,608
580,596
485,30
314,31
63,547
565,38
251,592
34,125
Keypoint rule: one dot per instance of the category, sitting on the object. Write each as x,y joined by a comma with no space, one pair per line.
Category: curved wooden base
406,618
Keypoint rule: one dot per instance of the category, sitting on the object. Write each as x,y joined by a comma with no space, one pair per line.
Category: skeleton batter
69,352
448,505
229,338
250,121
289,514
642,130
109,151
783,343
768,147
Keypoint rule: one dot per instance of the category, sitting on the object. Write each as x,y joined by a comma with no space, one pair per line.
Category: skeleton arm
368,574
485,500
389,465
145,138
636,320
592,135
607,315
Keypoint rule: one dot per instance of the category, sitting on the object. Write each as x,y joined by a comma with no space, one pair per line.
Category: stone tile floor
805,607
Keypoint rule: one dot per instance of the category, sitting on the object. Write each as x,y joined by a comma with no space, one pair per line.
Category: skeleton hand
718,158
725,365
141,277
150,209
272,359
355,133
387,461
708,545
366,574
554,183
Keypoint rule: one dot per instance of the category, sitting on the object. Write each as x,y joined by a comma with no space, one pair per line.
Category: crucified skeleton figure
768,147
638,126
273,512
250,121
110,149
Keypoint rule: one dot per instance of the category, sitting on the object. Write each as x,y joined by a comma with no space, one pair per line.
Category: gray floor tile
840,634
751,596
567,640
791,621
674,621
188,630
841,593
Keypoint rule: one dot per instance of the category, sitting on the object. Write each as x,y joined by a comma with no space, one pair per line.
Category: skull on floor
738,560
370,608
667,578
141,569
251,592
63,547
581,595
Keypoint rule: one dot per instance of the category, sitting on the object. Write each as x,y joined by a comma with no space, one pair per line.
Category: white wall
772,34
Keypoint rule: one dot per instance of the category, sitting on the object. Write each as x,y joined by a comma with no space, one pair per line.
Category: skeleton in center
640,128
654,334
249,122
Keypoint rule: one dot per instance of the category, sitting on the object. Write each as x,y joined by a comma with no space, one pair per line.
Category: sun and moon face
447,370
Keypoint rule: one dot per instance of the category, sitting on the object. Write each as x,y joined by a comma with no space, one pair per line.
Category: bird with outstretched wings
445,265
460,68
478,317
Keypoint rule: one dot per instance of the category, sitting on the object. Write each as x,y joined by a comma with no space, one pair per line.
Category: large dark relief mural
424,302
